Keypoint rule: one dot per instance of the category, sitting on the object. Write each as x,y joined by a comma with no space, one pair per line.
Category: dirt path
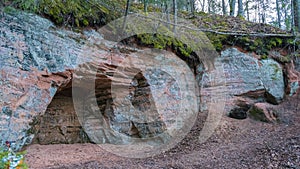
235,144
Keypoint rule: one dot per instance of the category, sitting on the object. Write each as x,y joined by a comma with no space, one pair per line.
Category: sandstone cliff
38,62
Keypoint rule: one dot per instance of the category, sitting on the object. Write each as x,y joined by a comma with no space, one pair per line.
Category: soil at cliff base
235,144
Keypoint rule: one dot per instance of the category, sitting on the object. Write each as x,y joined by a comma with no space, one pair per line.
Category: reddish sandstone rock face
25,94
246,81
38,64
293,78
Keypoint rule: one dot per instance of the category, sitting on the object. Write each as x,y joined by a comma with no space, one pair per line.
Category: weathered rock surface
37,64
245,81
272,79
161,105
34,62
263,112
291,70
292,77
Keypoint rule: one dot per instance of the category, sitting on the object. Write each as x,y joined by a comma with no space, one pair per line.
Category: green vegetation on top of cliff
82,13
221,30
226,24
74,13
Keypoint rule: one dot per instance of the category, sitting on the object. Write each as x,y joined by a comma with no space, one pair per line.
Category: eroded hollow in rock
59,124
140,93
132,125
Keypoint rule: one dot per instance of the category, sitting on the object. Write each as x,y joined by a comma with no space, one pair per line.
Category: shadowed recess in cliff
140,97
59,124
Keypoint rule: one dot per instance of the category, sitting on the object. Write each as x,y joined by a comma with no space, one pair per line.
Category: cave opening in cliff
59,124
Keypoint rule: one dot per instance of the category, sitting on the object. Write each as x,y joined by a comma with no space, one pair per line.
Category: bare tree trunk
256,13
287,21
213,6
165,10
232,7
209,6
240,8
259,14
298,14
187,5
263,14
192,4
278,14
293,16
125,15
247,10
296,4
146,6
224,7
203,6
175,15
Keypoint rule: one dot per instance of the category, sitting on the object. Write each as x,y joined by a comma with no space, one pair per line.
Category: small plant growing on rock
11,160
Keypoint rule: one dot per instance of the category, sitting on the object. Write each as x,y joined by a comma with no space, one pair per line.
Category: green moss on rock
163,42
217,40
257,114
77,13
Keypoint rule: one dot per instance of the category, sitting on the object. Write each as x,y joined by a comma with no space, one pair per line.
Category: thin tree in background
278,14
256,11
146,6
232,7
188,6
224,7
298,14
247,10
192,4
166,10
125,15
295,14
240,8
175,15
202,4
209,6
288,19
264,9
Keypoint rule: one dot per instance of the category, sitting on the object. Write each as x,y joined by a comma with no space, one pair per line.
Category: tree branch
254,34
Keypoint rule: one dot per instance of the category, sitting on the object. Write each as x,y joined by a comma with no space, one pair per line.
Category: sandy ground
235,144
